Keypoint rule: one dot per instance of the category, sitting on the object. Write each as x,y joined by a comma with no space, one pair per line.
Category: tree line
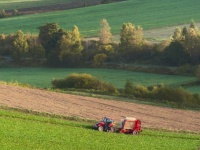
60,47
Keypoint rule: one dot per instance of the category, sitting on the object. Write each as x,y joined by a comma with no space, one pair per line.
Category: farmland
42,77
87,19
19,4
27,131
29,127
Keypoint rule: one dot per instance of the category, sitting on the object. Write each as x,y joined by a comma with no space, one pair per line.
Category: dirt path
95,108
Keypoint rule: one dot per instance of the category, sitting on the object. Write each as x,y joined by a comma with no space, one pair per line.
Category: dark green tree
48,37
175,54
36,50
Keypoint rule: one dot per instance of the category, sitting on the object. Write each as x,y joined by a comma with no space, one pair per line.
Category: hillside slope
95,108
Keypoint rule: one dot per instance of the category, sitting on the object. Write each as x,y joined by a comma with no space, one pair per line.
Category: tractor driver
107,122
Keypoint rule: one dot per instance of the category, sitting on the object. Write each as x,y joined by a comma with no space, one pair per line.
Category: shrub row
84,81
175,96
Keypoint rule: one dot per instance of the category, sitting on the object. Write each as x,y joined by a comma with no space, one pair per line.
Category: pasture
148,13
26,131
42,77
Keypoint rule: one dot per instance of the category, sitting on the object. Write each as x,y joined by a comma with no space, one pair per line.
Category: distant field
26,131
147,13
18,4
42,77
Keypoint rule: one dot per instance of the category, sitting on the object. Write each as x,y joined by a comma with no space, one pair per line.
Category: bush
128,88
99,59
140,91
177,95
84,81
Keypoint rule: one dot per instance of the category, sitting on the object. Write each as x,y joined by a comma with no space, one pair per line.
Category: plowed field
95,108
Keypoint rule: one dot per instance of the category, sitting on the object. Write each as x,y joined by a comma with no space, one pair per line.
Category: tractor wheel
100,128
135,132
112,129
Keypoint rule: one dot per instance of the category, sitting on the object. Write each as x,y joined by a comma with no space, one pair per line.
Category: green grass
26,131
147,13
42,77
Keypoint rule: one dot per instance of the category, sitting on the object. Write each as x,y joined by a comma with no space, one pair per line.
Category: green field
18,4
147,13
25,131
42,77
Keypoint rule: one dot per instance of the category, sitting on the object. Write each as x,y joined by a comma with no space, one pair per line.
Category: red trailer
130,125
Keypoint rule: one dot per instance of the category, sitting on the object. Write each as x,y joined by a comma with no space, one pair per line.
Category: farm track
95,108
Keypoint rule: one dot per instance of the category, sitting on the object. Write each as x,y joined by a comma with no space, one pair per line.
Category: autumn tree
70,45
177,34
192,43
105,36
131,36
189,42
20,46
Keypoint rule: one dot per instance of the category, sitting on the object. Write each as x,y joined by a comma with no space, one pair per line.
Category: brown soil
62,6
95,108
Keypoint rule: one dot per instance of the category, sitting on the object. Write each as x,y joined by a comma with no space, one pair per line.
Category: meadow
27,131
42,77
147,13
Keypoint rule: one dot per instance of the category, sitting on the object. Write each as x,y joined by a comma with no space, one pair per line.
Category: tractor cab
130,125
107,120
106,124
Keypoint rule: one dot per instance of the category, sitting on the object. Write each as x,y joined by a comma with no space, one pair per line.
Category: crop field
148,14
42,77
26,131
